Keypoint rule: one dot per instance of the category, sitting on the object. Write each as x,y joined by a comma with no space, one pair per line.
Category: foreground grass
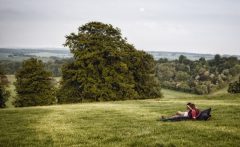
122,123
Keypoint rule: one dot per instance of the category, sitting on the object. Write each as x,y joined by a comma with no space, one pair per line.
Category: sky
198,26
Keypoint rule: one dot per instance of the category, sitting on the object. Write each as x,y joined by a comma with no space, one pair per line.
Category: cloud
203,26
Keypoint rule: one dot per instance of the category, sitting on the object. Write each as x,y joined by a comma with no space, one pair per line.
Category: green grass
11,89
167,93
221,91
122,123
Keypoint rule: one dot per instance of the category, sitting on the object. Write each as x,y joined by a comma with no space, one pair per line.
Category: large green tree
4,94
34,85
105,67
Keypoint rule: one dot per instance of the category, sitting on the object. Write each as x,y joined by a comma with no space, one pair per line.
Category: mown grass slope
167,93
11,89
122,123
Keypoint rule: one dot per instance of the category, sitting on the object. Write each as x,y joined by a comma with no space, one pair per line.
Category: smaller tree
201,89
182,76
34,85
234,87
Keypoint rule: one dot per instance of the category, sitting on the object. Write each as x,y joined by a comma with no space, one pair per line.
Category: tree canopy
200,76
33,85
105,67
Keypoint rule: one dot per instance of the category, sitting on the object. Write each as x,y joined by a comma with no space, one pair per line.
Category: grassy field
167,93
122,123
11,89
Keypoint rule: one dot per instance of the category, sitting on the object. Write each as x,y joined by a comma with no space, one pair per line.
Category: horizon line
64,48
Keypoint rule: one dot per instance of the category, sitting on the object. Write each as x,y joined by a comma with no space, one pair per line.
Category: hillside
168,93
122,123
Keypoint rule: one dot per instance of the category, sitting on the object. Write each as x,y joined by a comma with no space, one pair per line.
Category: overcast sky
200,26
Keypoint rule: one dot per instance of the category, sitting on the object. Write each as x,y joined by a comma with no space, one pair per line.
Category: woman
192,113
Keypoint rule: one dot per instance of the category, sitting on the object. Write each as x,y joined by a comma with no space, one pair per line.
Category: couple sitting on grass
192,113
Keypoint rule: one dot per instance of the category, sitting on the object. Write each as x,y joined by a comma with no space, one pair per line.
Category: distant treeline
10,67
200,76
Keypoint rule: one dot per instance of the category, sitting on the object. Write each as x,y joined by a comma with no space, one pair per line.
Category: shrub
4,94
34,85
234,87
201,89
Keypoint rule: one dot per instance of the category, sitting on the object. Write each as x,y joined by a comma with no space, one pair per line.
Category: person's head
189,105
193,106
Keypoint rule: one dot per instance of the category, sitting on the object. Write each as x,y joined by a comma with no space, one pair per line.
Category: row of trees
105,67
10,67
200,76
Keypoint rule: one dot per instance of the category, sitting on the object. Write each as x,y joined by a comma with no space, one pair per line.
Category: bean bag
204,115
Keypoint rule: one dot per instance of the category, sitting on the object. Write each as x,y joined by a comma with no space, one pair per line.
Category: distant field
21,54
11,88
122,123
45,53
167,93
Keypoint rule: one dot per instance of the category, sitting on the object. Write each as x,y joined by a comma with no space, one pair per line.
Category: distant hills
175,55
44,54
22,53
